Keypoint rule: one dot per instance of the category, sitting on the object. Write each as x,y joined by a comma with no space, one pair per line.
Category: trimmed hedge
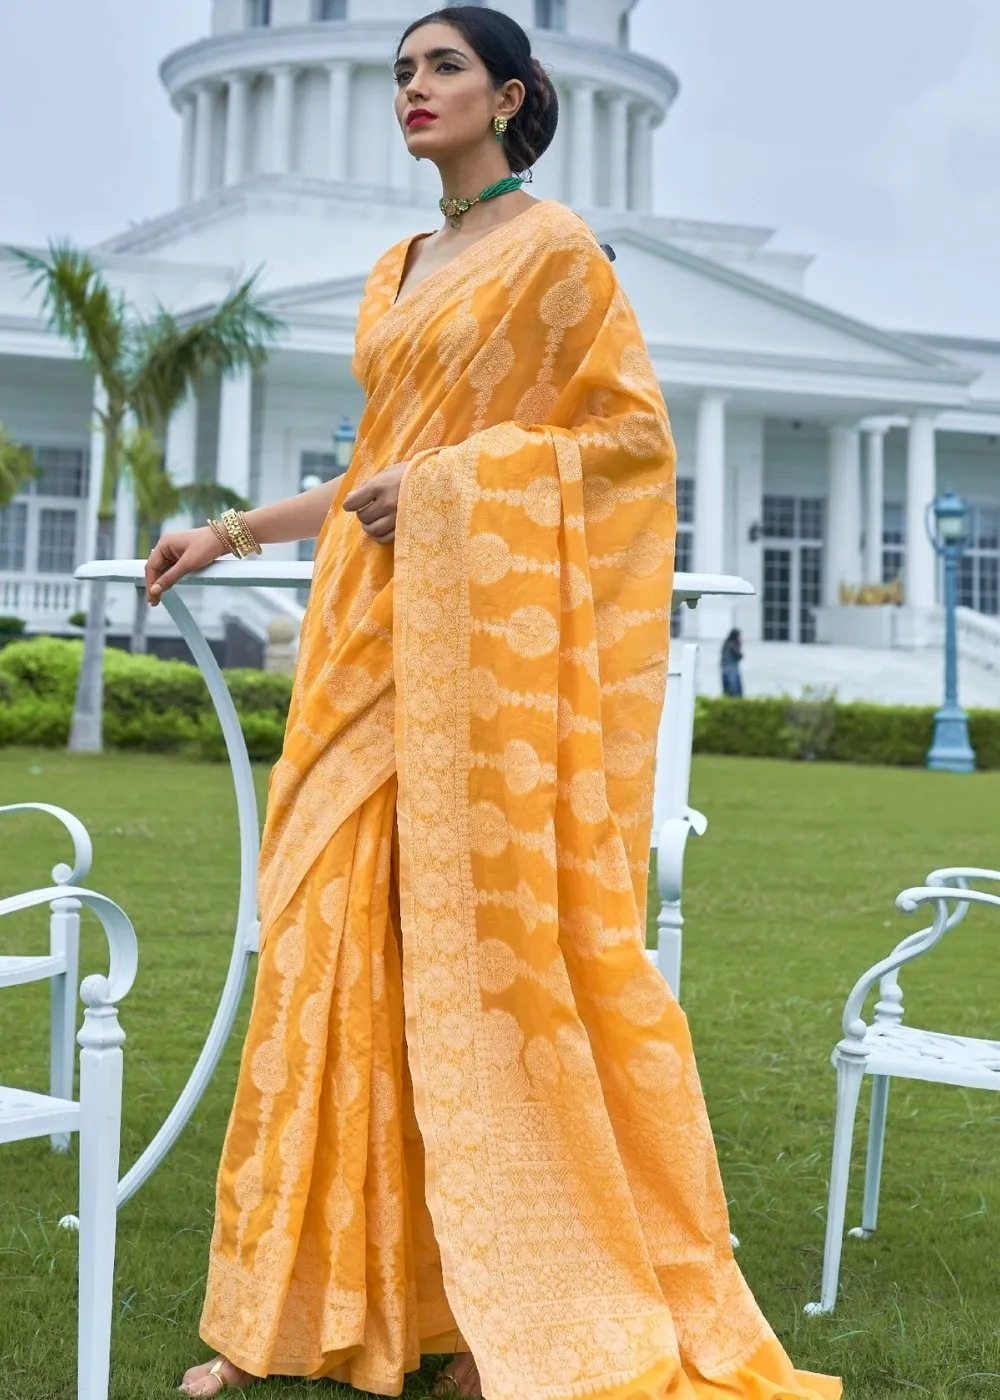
163,707
149,705
896,736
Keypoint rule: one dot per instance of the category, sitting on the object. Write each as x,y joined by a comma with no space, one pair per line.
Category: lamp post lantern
343,445
950,750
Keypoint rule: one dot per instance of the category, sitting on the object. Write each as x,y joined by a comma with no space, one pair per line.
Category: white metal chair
673,820
59,966
96,1117
886,1048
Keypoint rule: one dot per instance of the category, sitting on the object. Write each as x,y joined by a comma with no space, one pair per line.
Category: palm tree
145,366
17,467
158,498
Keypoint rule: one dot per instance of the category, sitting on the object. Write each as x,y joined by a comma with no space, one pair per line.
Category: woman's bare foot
213,1377
459,1378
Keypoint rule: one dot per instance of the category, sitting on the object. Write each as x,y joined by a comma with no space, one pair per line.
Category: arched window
259,14
331,9
550,14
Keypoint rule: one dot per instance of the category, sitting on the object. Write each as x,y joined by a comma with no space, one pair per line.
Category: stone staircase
855,673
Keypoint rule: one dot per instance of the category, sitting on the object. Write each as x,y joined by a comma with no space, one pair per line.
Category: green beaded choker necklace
453,209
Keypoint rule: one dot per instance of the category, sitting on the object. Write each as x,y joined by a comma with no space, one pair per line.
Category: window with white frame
979,567
42,531
550,14
331,9
57,531
258,13
893,541
13,537
684,560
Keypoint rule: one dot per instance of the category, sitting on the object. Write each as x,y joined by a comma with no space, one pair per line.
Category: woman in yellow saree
468,1117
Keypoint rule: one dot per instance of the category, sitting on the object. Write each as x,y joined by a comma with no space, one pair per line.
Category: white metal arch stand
688,588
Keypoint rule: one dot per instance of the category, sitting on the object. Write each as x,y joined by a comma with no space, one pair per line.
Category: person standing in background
732,655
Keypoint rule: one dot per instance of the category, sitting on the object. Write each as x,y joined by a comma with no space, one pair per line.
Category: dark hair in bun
505,51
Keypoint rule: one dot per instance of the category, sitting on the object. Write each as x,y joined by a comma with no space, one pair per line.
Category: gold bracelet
235,525
219,532
232,527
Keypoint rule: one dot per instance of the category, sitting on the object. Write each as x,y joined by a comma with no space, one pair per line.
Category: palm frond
209,498
157,496
154,493
82,307
17,467
174,355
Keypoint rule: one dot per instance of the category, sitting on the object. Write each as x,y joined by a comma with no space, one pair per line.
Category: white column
188,127
618,153
642,161
236,128
201,182
874,503
235,408
96,472
843,512
182,453
710,486
713,618
125,523
284,119
921,488
339,119
582,113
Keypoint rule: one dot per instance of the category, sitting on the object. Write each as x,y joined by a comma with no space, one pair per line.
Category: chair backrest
676,736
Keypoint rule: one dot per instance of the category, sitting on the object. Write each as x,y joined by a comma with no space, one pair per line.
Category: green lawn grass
789,897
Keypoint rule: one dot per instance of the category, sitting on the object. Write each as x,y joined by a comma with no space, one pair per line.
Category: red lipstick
420,117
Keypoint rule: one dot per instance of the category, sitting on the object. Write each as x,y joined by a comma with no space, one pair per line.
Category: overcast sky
864,131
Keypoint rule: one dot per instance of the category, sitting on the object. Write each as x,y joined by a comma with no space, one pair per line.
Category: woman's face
445,98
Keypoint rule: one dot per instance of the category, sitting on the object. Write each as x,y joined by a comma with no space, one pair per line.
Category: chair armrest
958,874
950,908
670,844
698,821
83,851
122,943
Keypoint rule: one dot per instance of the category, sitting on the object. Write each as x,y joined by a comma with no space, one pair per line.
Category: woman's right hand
177,554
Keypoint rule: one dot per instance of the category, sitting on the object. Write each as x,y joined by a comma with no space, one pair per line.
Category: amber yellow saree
468,1112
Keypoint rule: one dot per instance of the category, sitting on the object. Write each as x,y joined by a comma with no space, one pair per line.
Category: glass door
793,567
777,594
979,568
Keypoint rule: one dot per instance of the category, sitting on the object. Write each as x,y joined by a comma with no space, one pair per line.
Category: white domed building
809,443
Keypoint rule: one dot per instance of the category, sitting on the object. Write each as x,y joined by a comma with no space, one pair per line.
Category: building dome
293,90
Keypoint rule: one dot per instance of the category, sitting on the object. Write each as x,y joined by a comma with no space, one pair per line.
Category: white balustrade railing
977,634
978,637
41,598
261,574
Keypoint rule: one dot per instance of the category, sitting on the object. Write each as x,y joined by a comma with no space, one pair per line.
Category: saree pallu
468,1114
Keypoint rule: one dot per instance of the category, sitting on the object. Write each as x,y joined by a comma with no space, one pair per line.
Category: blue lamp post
950,750
343,445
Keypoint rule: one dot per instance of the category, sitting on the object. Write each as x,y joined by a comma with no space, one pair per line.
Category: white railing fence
978,637
978,634
41,598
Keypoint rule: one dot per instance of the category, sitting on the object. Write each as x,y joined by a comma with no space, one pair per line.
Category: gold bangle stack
234,532
221,536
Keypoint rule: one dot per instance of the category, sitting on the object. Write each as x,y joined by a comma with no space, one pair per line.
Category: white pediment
686,301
